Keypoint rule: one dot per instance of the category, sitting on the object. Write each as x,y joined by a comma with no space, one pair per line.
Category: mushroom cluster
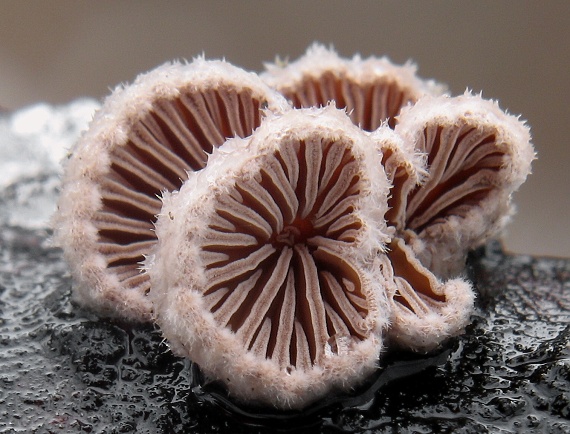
283,230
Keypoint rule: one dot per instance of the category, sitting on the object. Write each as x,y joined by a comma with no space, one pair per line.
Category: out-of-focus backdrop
516,52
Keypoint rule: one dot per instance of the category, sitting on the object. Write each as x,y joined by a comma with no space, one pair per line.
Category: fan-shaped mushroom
372,90
476,156
141,143
267,269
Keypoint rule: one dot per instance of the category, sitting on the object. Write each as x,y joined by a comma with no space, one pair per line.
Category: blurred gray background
516,52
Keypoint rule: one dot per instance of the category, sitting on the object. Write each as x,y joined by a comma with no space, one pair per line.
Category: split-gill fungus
267,268
143,141
476,156
287,257
372,90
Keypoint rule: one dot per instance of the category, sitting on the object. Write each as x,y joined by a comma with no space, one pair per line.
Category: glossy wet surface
64,370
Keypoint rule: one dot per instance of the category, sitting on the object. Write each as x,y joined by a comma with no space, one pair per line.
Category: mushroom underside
175,136
277,255
368,104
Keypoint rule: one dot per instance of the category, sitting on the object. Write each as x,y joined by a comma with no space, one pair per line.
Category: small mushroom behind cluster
267,269
372,90
142,142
